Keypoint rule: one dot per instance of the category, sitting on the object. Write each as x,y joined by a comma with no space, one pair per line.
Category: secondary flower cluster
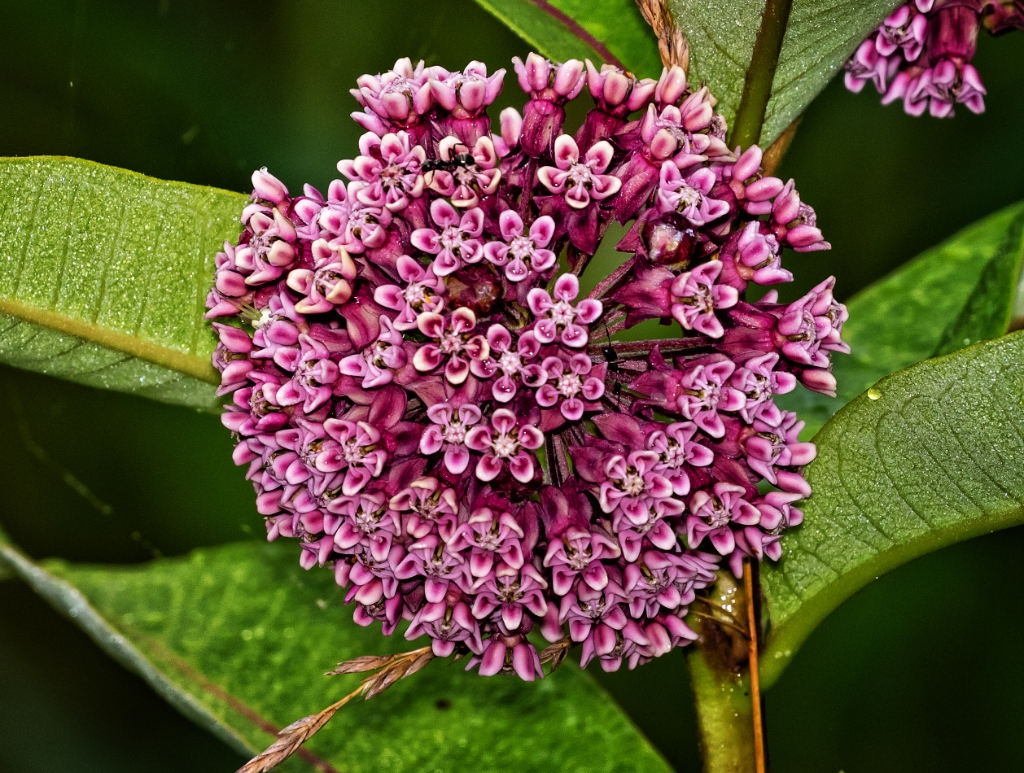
922,53
426,398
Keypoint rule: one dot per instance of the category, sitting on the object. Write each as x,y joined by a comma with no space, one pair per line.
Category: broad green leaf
765,60
238,637
929,456
103,276
599,30
954,295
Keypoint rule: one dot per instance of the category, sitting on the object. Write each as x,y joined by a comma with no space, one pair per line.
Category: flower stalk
721,680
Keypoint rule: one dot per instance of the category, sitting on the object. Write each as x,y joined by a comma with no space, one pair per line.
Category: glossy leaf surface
737,45
929,456
103,276
956,294
599,30
238,637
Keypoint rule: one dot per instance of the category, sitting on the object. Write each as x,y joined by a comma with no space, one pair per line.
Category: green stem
721,686
757,90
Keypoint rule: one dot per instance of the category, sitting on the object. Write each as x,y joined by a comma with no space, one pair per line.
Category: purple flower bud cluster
424,397
921,53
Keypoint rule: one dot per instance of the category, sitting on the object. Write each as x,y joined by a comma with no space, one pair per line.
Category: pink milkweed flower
421,291
912,89
513,362
704,391
391,168
354,451
580,553
458,241
549,81
333,216
363,520
812,326
950,84
867,65
441,568
758,256
616,91
580,180
278,325
616,94
270,249
671,86
266,187
377,363
557,318
633,484
467,94
329,284
457,345
522,255
689,195
550,86
696,296
232,357
366,227
473,176
448,433
713,512
676,448
511,591
759,382
506,440
489,536
572,388
396,99
664,581
313,374
508,654
429,505
447,626
903,31
777,444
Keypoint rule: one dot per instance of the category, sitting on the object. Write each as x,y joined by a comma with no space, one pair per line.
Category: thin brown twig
755,680
392,668
672,43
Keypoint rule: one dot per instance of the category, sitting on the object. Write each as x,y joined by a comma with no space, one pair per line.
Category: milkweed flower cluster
428,401
921,53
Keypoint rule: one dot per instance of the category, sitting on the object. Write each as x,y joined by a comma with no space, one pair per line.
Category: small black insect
460,161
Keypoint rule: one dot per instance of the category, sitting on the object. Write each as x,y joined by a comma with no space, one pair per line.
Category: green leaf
765,60
930,456
599,30
954,295
103,276
238,637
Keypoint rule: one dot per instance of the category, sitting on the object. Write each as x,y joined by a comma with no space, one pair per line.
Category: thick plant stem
721,683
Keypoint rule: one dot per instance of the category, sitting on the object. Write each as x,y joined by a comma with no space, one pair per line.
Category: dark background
922,671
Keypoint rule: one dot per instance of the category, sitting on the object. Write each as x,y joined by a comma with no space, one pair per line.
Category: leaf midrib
183,362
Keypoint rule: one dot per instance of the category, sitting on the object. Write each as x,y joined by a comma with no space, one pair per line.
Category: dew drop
873,394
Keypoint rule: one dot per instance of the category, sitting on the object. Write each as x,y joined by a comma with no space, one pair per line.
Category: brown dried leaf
555,653
292,737
393,668
672,43
361,664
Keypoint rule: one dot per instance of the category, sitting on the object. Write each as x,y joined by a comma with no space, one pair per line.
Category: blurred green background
922,671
